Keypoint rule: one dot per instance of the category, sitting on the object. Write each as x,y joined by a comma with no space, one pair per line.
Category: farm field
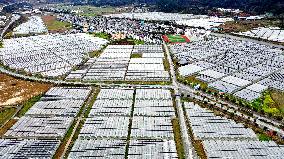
6,113
15,91
278,97
54,25
242,26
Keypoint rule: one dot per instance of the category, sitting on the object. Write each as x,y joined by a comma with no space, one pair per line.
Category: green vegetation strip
86,110
130,126
136,56
102,35
166,63
270,103
28,104
6,113
192,81
178,138
197,144
74,138
91,103
138,82
58,25
7,126
264,137
95,53
61,147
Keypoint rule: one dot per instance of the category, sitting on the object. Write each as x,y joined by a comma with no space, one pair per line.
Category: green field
271,103
136,56
278,98
176,38
102,35
6,114
54,25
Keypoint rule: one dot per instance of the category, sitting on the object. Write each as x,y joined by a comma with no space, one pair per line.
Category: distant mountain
188,6
6,1
11,7
252,6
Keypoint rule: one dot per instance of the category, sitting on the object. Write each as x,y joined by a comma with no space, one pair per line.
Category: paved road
187,144
60,82
79,119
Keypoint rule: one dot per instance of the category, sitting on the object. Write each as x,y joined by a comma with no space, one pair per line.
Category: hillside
253,6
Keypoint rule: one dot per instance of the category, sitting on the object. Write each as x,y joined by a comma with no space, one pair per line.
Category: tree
281,17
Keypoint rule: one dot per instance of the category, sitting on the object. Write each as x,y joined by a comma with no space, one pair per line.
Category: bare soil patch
15,91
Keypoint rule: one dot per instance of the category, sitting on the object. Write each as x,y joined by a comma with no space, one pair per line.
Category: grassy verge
197,144
61,147
95,53
6,113
87,109
271,103
264,137
199,149
27,105
278,98
92,101
127,41
178,139
136,56
130,126
75,137
193,81
166,65
7,126
102,35
54,25
8,35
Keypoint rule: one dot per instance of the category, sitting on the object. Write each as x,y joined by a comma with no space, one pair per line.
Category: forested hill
188,6
253,6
